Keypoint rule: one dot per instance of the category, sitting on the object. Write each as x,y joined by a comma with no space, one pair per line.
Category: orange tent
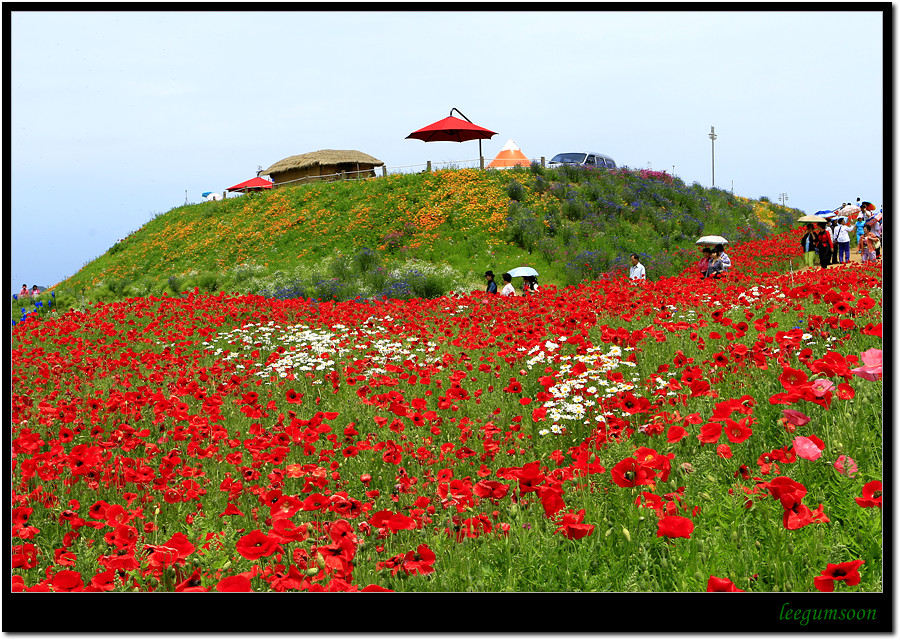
510,156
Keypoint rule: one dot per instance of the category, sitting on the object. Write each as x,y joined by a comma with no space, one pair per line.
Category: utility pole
712,137
784,198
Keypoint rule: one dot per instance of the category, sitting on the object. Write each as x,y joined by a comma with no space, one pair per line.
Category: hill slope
423,234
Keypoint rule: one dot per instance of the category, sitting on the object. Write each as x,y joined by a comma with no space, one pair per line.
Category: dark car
588,159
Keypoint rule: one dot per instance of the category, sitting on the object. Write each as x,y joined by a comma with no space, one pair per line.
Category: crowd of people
831,240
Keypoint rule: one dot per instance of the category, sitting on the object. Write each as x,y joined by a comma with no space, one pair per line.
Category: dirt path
854,257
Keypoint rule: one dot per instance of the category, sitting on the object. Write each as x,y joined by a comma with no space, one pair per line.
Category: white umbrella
522,271
213,196
711,241
850,209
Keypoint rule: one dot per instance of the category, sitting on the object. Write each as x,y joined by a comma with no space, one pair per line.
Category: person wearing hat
491,285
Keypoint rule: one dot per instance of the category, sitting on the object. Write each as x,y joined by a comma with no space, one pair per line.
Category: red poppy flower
255,545
846,572
630,473
715,584
675,434
675,527
739,431
419,562
710,433
490,489
551,499
231,510
791,378
238,583
191,584
871,495
795,417
104,581
572,526
786,489
845,391
67,581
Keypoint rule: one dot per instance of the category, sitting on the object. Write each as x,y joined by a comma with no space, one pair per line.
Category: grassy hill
422,234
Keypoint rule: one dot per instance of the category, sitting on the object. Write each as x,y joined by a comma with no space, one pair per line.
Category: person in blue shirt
860,226
491,285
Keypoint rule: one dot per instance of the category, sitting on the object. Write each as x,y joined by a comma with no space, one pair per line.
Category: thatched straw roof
323,157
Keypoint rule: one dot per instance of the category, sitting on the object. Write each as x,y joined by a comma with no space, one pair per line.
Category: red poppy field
674,435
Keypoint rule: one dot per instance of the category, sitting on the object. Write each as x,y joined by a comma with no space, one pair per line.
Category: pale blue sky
115,114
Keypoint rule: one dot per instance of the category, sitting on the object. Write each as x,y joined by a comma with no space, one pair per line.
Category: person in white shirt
842,239
637,271
726,261
508,289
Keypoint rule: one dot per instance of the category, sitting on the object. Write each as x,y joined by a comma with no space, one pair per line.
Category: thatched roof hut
326,164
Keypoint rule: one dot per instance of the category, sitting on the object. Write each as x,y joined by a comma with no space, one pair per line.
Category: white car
588,159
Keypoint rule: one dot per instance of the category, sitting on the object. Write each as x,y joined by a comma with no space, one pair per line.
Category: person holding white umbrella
808,244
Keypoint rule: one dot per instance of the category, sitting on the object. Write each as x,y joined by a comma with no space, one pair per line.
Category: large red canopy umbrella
452,129
252,184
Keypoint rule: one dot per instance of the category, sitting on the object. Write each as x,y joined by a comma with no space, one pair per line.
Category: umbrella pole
480,158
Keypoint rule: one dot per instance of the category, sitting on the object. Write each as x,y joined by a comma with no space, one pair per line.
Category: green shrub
208,282
548,250
567,234
515,190
427,285
175,284
340,268
573,209
365,260
523,228
118,286
376,279
571,172
541,184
